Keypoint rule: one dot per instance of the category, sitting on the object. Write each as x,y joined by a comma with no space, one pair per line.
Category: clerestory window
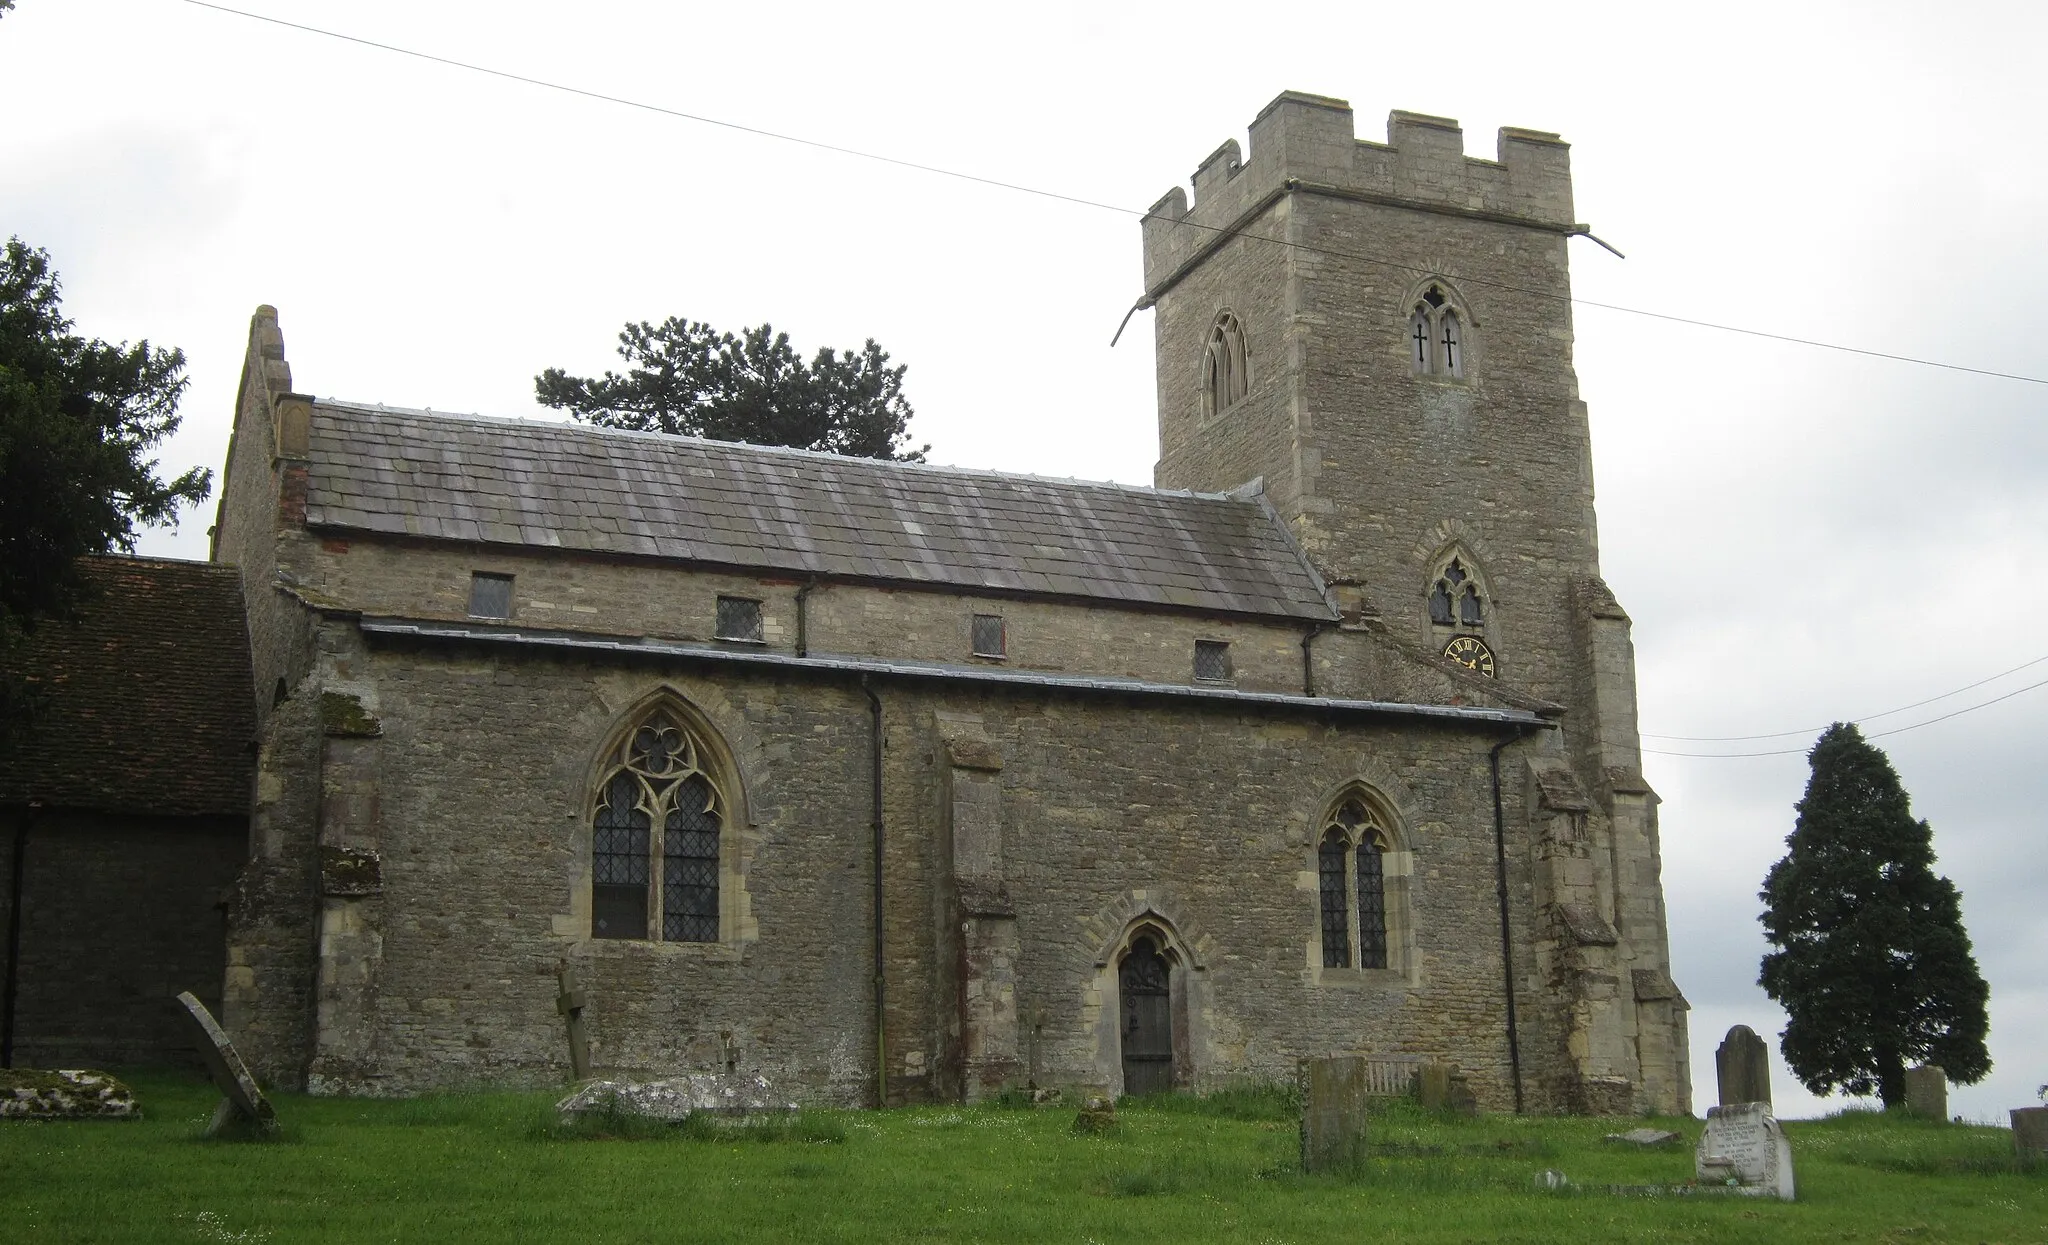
645,885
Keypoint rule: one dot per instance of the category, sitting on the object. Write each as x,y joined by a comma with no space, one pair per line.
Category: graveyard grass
495,1167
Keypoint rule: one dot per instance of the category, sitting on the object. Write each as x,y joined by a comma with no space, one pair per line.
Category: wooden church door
1143,980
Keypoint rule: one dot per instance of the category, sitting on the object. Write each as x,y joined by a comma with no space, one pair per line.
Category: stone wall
1104,812
118,914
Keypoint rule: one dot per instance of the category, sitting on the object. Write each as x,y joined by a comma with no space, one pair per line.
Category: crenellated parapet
1306,143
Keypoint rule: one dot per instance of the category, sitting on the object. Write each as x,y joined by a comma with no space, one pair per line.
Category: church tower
1381,334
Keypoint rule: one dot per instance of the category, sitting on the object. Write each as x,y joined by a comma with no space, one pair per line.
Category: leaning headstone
240,1099
68,1094
1744,1146
1743,1065
2030,1132
1333,1112
1927,1092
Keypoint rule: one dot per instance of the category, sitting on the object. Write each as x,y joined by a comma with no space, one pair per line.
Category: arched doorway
1144,979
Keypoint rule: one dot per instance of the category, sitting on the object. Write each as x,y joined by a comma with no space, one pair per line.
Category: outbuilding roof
147,699
574,487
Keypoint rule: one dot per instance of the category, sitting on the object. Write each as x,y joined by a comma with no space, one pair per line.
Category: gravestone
1097,1115
1743,1066
735,1094
2030,1132
1333,1112
66,1094
240,1099
1927,1092
1744,1144
1433,1085
1644,1137
570,1003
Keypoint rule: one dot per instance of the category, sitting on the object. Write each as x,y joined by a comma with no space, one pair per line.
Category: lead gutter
515,637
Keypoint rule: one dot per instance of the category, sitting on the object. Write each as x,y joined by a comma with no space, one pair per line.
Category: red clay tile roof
149,704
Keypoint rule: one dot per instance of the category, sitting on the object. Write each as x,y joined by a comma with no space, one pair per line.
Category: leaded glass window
1212,661
1372,906
659,777
739,619
490,596
989,638
1336,921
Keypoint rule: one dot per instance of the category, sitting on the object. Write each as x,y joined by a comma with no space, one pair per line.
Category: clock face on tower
1471,652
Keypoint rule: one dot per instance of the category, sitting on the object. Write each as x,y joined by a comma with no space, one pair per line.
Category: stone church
907,783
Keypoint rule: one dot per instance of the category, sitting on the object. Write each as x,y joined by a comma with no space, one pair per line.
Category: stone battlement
1306,142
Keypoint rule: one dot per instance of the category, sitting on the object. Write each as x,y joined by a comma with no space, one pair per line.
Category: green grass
496,1167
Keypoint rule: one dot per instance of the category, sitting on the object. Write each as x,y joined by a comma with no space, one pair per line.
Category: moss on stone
343,715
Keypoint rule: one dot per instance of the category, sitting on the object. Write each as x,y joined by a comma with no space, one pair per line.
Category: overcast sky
1800,534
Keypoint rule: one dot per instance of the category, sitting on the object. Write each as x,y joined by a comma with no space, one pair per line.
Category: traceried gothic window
658,779
1352,887
1437,336
1226,371
1455,601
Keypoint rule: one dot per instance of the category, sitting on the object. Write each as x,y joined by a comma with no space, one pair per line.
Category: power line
1897,730
1079,201
1868,717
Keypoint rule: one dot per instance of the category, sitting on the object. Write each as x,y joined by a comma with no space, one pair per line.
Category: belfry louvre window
1350,863
1212,661
1226,373
490,596
658,778
1436,336
739,618
989,638
1455,600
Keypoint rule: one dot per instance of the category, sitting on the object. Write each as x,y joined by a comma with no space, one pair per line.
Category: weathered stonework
423,830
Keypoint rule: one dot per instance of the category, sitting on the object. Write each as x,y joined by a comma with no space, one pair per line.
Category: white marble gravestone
1743,1143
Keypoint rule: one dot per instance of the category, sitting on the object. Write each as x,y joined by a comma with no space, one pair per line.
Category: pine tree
1872,963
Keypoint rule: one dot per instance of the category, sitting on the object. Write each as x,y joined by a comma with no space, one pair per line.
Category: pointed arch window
1438,336
1353,887
1226,370
658,777
1455,600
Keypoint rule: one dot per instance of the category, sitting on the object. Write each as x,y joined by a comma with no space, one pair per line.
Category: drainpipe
875,802
13,982
803,631
1507,949
1308,670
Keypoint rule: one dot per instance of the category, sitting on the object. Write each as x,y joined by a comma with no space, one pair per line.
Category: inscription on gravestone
1743,1067
1743,1143
1333,1114
240,1099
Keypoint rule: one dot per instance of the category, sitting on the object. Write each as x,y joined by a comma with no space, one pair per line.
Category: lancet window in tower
1436,336
1226,375
658,778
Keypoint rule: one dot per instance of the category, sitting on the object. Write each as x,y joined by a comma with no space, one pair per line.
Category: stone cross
240,1097
1744,1144
1743,1065
1927,1092
570,1004
1333,1114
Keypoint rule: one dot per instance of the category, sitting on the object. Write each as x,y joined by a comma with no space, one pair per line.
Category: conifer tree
1872,963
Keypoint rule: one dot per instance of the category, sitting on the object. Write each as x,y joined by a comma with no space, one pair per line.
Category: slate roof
149,707
573,487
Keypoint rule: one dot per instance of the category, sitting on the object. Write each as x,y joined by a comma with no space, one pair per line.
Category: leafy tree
77,421
688,378
1872,962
